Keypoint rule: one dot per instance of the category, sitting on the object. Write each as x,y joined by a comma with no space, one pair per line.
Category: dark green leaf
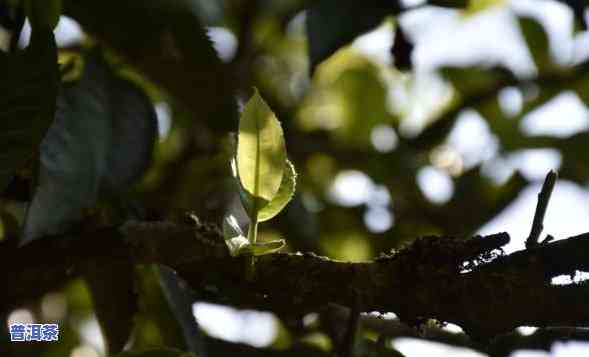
402,50
472,80
167,301
537,40
28,92
43,13
166,41
101,138
134,131
180,298
461,4
73,155
114,302
332,24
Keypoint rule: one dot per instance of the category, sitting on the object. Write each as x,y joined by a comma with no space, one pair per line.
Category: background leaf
134,132
28,95
43,13
166,300
179,56
73,155
261,151
80,153
283,196
180,298
331,24
114,301
402,50
537,41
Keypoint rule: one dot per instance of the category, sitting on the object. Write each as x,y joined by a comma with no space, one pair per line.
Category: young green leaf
263,248
261,153
234,238
237,245
231,227
283,196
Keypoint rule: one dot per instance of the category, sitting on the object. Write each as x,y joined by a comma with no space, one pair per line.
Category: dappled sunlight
535,163
571,112
348,246
435,184
224,41
84,351
511,101
410,347
384,138
365,138
575,278
245,326
351,188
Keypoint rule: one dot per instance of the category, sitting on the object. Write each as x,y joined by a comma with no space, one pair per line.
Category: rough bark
425,280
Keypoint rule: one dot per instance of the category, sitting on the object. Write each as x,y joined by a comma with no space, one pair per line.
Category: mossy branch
422,281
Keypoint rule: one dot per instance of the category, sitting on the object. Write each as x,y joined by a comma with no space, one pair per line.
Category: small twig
543,199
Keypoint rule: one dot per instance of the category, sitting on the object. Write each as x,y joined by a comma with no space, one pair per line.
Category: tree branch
423,281
543,199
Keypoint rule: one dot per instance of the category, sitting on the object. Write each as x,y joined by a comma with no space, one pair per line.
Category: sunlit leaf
28,91
263,248
231,227
261,152
283,196
234,237
237,245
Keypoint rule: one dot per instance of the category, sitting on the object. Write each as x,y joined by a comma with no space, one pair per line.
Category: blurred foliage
349,122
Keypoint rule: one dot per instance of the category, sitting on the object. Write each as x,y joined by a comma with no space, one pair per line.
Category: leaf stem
252,233
252,236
